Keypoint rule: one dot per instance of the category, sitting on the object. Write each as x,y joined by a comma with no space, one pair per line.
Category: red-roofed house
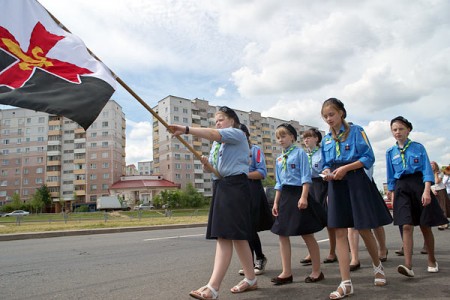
141,188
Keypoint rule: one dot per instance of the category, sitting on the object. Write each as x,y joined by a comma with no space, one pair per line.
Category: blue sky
282,58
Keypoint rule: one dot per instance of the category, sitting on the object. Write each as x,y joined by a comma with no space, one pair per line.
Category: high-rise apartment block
77,166
177,164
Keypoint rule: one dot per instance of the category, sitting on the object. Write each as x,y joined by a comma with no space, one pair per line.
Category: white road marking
174,237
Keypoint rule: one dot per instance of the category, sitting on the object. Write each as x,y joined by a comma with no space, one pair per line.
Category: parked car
17,213
144,207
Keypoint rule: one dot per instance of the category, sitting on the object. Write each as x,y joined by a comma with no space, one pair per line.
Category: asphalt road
168,263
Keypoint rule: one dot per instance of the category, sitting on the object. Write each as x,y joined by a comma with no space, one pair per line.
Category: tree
44,195
37,202
16,202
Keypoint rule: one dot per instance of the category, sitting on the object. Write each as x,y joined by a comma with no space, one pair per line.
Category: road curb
50,234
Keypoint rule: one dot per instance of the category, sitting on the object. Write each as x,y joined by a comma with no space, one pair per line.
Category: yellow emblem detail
27,62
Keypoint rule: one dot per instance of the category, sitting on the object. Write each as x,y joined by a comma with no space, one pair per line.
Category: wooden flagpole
141,101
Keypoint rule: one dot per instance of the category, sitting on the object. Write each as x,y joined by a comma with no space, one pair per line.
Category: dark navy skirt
261,213
355,202
408,208
292,221
230,211
319,190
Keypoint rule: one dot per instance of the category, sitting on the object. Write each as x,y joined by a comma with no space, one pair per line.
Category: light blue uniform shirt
416,159
297,170
233,153
355,148
257,161
316,163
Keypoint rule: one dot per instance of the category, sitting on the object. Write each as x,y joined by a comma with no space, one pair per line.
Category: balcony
52,183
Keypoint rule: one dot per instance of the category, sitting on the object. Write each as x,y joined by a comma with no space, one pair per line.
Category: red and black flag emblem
44,68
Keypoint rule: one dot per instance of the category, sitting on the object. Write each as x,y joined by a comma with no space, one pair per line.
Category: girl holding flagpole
229,220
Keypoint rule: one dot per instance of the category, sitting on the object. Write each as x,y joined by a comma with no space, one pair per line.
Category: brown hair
339,106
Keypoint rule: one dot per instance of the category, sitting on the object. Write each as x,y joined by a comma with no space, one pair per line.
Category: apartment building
177,163
78,166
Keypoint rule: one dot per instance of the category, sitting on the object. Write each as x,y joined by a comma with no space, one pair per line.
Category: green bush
82,208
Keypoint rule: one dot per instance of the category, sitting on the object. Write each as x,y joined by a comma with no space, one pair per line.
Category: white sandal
347,289
379,270
245,285
202,293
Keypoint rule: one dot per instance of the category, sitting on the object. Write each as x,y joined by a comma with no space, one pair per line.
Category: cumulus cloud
379,88
282,58
139,142
220,92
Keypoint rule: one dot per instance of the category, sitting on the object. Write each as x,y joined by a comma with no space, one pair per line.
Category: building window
105,165
93,187
39,171
104,124
104,144
187,157
185,111
93,155
177,176
178,166
104,187
105,155
93,176
93,166
93,134
105,175
176,118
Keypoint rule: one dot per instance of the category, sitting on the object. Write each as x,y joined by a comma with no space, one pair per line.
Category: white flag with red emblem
45,68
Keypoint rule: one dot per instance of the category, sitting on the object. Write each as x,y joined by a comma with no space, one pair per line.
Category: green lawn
74,221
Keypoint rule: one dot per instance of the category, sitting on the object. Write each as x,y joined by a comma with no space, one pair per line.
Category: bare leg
353,239
285,251
224,252
332,238
372,248
245,256
408,244
429,242
313,248
380,236
342,253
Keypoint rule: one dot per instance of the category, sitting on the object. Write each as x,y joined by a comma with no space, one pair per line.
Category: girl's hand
327,175
275,209
177,129
302,203
339,173
204,160
426,198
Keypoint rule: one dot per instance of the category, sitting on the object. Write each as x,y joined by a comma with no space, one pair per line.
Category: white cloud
139,142
220,92
282,58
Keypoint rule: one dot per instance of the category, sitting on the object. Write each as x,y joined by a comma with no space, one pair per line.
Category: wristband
187,130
